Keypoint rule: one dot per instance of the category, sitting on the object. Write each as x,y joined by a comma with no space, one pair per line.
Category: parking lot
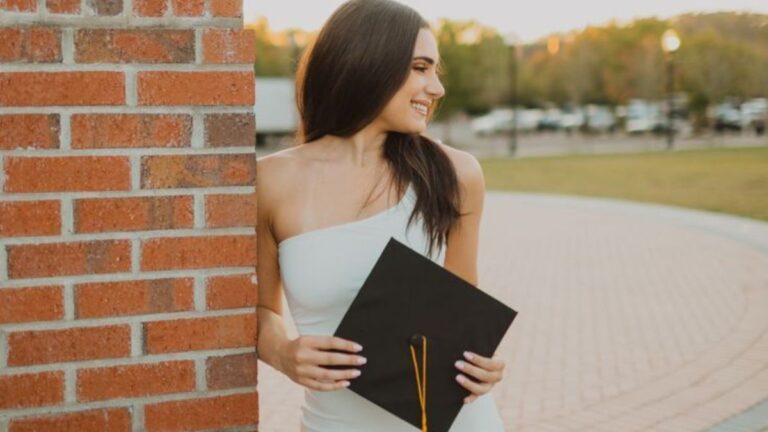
532,144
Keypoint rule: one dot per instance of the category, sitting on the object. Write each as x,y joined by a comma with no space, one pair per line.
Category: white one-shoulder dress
322,271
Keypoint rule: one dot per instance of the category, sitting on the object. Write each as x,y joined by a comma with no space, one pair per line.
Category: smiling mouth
420,108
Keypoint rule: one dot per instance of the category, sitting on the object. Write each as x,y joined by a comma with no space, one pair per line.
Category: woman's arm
462,246
272,334
461,259
300,359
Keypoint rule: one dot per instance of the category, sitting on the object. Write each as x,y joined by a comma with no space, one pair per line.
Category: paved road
632,317
559,144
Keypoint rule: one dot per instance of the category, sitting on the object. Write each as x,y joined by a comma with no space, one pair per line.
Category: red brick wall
127,216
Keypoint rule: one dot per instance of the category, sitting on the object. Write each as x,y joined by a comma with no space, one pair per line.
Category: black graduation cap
407,303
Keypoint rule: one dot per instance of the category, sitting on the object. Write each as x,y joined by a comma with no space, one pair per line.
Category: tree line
722,56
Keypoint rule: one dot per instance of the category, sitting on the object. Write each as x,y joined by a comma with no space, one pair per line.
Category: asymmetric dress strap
322,271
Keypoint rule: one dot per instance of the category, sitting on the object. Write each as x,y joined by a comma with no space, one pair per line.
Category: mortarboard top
406,297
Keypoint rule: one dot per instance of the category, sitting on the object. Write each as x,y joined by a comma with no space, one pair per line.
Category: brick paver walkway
631,317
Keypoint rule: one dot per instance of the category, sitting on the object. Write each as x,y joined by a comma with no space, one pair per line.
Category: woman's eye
420,68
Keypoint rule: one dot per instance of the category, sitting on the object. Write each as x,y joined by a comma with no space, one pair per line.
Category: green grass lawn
731,181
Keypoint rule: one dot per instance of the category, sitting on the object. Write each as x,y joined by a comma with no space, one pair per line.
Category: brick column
127,216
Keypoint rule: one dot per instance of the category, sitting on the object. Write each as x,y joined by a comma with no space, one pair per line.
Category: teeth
420,107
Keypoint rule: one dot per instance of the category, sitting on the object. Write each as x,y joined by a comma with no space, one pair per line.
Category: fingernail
356,373
358,347
460,378
460,364
468,355
362,360
345,383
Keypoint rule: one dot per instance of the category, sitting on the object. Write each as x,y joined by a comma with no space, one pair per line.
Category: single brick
18,5
67,173
233,331
31,389
184,171
22,131
135,380
13,43
230,292
73,344
63,6
230,130
29,218
106,7
62,259
232,371
194,88
131,130
62,88
221,412
172,253
188,7
227,8
150,8
133,214
229,46
30,45
99,420
106,299
44,303
134,46
231,210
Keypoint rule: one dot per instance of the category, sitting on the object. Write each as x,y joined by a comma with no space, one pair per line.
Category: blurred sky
529,20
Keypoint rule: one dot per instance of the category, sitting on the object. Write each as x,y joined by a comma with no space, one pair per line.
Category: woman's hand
302,358
488,371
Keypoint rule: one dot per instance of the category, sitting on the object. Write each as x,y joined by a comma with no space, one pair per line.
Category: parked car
528,119
641,117
551,120
572,119
755,114
497,120
599,119
727,118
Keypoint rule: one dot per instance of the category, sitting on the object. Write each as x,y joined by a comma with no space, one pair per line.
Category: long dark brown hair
360,59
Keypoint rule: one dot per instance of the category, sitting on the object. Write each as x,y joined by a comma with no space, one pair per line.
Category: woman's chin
416,128
413,126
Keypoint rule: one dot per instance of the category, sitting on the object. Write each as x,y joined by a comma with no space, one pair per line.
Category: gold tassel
421,387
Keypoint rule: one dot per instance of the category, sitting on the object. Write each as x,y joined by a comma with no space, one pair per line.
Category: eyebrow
429,60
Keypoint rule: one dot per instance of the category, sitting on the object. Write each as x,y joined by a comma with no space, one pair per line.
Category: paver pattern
632,317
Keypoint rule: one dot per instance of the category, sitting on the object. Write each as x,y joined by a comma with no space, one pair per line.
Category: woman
327,207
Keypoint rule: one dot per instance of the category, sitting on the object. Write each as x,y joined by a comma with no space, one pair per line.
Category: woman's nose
435,88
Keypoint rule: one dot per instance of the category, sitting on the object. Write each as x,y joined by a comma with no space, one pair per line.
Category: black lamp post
512,40
670,42
293,50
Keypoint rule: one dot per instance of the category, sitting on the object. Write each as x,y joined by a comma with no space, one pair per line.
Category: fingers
323,385
323,374
310,357
478,373
332,342
491,364
331,359
488,371
312,352
476,388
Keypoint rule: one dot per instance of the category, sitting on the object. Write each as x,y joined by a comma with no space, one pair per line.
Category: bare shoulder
468,169
279,160
276,175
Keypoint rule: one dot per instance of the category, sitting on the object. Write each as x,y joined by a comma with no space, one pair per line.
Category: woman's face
407,111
